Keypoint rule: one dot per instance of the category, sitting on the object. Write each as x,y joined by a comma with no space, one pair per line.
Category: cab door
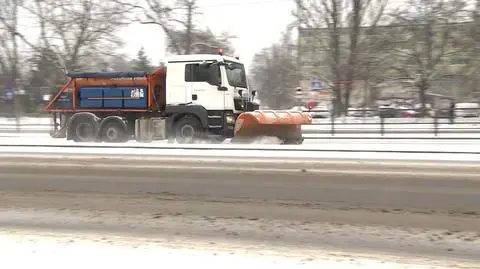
203,81
228,91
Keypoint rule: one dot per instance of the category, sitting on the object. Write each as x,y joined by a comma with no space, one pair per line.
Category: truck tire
188,129
84,129
113,132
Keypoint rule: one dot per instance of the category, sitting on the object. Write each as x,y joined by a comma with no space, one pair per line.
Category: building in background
374,78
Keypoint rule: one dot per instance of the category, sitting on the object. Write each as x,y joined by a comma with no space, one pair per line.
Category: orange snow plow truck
192,98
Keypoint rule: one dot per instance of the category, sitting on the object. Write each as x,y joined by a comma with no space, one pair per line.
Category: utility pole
476,33
10,25
298,25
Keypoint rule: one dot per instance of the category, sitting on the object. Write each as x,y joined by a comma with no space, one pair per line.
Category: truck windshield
236,75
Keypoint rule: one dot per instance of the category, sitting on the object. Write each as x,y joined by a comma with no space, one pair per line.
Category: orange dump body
155,83
285,125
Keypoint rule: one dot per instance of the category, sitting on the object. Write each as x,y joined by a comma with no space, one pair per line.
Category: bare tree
473,68
9,51
432,38
73,30
205,42
274,72
178,22
338,26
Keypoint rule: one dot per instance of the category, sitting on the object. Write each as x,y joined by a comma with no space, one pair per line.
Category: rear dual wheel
85,129
114,132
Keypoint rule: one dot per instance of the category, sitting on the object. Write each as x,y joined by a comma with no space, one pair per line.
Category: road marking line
320,172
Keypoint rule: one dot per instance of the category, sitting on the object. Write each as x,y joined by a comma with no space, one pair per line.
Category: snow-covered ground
26,120
470,146
329,150
74,250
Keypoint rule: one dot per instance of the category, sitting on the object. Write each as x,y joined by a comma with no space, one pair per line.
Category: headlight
229,119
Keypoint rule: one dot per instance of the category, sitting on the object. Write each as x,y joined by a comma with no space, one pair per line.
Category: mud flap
59,129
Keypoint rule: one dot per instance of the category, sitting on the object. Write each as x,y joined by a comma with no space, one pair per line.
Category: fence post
332,123
435,125
382,127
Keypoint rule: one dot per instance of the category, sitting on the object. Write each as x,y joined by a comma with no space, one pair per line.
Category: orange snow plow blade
284,125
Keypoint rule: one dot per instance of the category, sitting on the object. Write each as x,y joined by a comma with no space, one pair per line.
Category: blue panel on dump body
112,98
91,97
134,97
96,92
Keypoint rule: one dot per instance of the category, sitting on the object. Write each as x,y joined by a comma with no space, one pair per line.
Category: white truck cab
215,82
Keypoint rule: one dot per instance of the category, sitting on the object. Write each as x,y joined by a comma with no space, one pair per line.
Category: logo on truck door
137,93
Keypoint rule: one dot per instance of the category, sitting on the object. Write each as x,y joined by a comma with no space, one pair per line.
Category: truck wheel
113,132
84,130
187,130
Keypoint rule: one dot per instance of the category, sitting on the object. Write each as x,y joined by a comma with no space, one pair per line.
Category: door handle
194,97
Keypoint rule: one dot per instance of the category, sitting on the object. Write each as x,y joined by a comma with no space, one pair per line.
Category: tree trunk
189,30
423,98
337,101
352,57
346,96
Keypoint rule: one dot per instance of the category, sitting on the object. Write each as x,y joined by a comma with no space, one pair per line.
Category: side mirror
254,92
240,92
222,88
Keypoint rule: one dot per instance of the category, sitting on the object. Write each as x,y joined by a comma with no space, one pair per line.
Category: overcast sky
256,23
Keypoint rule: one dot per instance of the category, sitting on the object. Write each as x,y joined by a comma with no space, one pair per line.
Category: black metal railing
385,122
358,124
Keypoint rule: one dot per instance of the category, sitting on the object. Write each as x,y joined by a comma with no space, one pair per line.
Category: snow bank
57,250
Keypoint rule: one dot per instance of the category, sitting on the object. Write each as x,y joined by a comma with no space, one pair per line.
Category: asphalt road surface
430,209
